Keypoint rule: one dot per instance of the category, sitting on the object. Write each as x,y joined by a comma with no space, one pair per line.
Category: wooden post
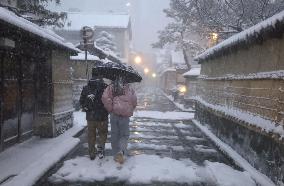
1,101
20,95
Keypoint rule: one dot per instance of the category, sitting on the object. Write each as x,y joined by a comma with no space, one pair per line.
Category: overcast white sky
147,16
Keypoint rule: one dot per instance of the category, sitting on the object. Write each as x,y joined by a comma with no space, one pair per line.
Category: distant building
119,25
191,82
171,74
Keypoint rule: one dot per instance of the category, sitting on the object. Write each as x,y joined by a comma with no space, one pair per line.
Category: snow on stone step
205,149
150,168
192,138
148,136
164,115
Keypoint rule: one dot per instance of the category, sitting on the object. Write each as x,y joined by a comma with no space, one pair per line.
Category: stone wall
62,92
240,95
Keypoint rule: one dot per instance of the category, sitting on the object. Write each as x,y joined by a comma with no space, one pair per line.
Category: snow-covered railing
270,28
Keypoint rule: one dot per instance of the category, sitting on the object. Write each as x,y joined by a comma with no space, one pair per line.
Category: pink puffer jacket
121,105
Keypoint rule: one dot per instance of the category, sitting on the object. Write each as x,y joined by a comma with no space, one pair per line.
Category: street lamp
146,70
138,60
182,89
154,75
215,36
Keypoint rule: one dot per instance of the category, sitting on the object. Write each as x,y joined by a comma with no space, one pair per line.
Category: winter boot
119,158
92,153
101,152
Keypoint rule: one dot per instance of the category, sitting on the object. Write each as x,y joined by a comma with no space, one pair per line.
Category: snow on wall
238,159
260,75
12,18
253,119
242,36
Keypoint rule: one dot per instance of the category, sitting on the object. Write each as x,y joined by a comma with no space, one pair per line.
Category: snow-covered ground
164,115
25,163
149,168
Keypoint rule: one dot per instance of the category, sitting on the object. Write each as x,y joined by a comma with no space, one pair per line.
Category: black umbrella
112,70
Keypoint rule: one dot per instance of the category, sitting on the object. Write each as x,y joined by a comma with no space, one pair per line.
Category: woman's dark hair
118,86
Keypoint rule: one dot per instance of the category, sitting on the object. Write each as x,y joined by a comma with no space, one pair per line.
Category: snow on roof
268,28
81,56
170,69
194,71
80,19
13,19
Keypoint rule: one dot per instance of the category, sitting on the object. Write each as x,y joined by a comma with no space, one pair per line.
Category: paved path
175,139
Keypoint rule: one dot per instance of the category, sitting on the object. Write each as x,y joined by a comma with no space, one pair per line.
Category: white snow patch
185,131
182,126
147,136
164,115
80,119
146,146
192,138
259,75
259,177
32,158
202,148
178,148
140,129
153,124
224,175
255,120
195,71
149,168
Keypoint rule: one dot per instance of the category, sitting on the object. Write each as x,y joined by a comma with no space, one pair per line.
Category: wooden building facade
35,81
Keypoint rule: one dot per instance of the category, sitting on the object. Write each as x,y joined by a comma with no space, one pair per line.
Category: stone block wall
240,95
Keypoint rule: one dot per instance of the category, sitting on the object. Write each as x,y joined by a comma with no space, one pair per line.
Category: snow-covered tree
222,16
177,34
106,42
37,12
225,17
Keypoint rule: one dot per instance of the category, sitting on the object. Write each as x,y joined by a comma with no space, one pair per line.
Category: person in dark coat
96,115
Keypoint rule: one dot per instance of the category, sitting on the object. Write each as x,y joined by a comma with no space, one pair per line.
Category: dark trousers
93,127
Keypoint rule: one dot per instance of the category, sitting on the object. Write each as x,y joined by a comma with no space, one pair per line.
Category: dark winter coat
90,100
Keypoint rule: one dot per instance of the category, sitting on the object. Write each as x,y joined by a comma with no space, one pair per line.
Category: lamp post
146,70
214,38
137,60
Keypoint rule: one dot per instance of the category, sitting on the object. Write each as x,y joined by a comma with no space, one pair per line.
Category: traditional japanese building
119,25
240,94
191,82
35,80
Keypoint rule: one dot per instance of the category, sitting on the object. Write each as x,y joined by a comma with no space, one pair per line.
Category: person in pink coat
120,101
